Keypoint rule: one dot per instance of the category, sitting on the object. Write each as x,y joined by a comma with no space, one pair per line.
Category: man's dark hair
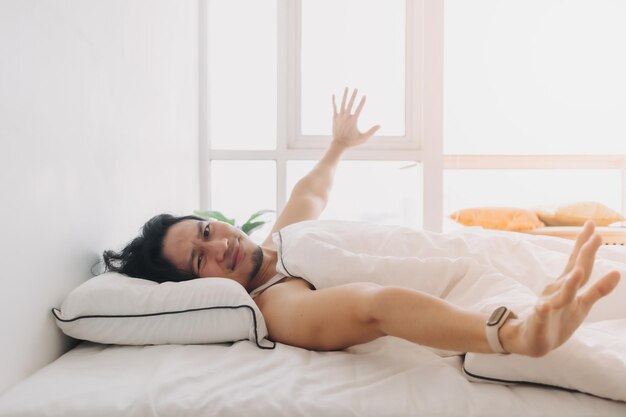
143,256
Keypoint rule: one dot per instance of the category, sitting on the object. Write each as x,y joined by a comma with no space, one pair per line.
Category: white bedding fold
474,270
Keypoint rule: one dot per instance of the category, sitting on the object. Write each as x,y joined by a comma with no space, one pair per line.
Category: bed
386,377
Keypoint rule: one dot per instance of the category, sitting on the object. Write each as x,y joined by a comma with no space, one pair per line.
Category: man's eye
199,262
206,232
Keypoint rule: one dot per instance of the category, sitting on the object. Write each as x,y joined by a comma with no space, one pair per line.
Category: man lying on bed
181,248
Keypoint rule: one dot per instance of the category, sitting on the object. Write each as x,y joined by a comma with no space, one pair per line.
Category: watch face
496,316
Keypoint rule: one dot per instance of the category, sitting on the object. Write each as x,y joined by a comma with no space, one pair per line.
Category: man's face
212,248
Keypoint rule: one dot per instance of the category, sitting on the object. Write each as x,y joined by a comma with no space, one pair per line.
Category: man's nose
217,248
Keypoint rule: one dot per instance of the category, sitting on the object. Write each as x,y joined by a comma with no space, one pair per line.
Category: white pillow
593,361
115,309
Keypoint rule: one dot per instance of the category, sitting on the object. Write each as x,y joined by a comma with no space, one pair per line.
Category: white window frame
414,63
424,116
422,141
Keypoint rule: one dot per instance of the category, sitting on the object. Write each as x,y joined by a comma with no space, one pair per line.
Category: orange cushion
502,218
577,214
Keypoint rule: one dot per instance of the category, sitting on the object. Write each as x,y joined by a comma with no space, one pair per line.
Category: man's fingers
343,101
568,290
372,130
360,107
587,256
334,106
582,237
603,287
352,98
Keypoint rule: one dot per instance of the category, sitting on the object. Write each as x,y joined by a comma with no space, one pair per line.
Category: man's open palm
345,130
560,309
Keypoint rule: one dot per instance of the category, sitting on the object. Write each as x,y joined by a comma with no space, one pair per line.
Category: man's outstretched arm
310,195
338,317
343,316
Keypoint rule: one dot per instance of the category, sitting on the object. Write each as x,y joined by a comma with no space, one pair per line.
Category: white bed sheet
387,377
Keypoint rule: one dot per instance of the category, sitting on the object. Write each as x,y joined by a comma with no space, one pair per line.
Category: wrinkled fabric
478,271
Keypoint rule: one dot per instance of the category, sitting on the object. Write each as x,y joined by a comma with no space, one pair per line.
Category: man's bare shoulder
281,292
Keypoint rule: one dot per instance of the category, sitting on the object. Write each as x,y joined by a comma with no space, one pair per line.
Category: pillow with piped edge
592,361
113,308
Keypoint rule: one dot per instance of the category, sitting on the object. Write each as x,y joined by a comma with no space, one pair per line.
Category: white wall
98,132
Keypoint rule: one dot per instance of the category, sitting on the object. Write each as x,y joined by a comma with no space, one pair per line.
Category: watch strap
492,328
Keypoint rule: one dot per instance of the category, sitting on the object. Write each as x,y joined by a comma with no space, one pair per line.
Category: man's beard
257,261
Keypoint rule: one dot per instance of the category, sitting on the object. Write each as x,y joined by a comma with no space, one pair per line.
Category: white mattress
387,377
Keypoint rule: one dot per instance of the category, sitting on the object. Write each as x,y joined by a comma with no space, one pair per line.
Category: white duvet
477,271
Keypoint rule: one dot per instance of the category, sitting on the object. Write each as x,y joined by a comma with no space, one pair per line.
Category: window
346,43
269,69
242,74
383,190
534,103
529,188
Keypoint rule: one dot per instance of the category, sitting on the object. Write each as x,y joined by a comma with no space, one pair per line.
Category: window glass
241,188
534,77
385,192
242,74
528,189
353,43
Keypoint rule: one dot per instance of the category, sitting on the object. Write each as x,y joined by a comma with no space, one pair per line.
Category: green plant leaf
257,214
250,227
212,214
